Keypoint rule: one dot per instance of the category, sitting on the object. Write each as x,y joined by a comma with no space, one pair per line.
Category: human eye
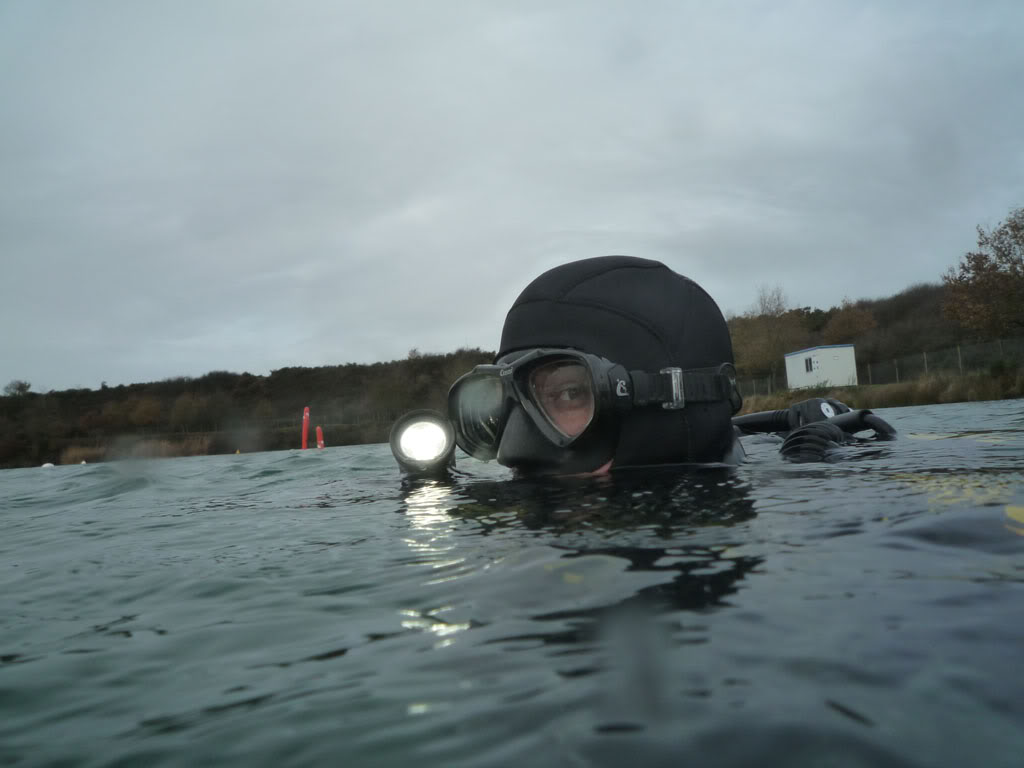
570,392
568,396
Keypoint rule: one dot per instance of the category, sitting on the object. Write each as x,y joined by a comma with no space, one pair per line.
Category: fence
963,358
756,386
958,360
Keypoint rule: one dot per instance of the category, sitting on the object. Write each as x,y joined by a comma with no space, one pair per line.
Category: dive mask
568,394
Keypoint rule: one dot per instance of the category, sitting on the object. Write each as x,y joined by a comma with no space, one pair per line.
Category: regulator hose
765,421
811,428
862,419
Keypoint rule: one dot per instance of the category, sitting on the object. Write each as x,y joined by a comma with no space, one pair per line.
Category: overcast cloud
198,186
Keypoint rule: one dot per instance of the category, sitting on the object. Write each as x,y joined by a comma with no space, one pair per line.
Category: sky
248,185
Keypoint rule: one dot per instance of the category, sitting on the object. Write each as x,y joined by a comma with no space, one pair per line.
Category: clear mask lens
480,408
564,393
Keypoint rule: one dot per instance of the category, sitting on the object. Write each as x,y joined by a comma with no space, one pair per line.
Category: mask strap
673,388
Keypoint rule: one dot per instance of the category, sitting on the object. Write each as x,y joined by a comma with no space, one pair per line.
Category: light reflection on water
298,609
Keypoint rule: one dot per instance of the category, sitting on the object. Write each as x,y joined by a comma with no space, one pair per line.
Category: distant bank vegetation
935,388
223,412
980,299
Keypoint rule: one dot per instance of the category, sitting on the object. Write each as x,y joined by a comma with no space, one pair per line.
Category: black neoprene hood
642,315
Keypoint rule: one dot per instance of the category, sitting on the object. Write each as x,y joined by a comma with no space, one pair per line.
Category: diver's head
611,359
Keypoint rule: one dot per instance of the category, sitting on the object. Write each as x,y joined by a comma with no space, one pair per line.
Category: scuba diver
616,362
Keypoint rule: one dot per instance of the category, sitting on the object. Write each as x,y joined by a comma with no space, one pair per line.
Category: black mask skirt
643,316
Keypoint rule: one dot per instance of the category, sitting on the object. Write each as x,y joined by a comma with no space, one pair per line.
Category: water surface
302,608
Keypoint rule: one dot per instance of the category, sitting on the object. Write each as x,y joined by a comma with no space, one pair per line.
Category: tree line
231,411
981,298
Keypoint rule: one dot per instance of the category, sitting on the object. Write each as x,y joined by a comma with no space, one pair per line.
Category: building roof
814,349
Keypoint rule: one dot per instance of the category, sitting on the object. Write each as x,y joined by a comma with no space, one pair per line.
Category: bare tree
771,302
766,332
17,387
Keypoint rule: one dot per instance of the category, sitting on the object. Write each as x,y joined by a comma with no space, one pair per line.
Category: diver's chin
604,469
534,471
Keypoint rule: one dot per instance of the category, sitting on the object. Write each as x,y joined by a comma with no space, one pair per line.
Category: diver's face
563,391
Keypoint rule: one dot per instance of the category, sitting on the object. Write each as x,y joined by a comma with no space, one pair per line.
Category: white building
833,365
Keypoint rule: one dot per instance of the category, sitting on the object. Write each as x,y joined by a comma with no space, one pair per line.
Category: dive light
423,443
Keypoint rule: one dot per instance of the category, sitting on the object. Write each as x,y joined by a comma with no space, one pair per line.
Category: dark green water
310,609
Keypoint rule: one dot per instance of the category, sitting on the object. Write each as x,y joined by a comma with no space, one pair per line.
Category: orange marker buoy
319,437
305,428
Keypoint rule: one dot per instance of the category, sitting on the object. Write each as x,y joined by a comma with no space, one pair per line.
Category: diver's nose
523,446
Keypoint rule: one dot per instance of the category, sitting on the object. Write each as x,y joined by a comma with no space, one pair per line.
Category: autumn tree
261,413
848,323
986,290
185,412
812,318
145,412
215,410
113,416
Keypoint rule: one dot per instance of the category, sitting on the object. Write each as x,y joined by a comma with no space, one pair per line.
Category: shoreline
927,390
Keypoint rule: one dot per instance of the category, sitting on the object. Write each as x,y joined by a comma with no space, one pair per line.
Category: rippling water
309,608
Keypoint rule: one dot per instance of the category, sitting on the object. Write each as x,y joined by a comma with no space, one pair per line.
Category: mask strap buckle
676,392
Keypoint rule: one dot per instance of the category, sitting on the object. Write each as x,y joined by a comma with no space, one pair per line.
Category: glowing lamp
423,443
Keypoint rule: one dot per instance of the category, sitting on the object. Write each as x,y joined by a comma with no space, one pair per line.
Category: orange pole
305,428
319,437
